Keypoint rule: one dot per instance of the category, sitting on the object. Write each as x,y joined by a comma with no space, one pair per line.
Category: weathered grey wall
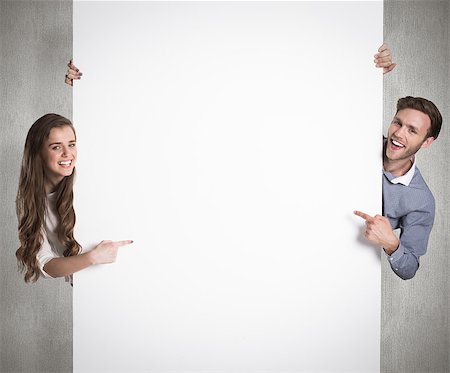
415,332
35,45
36,320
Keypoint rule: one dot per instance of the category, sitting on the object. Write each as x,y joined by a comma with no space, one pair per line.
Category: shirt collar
404,179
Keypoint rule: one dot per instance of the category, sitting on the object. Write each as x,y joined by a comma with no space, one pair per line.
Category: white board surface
231,141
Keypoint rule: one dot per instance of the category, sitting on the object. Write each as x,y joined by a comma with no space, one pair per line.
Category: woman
45,205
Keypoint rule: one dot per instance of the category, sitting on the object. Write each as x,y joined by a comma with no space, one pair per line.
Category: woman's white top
51,246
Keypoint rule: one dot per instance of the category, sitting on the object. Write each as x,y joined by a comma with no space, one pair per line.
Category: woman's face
59,154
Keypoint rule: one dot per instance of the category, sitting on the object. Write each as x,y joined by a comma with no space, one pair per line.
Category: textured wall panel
415,313
36,43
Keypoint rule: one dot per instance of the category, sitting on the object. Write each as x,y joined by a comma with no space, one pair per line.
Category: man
407,202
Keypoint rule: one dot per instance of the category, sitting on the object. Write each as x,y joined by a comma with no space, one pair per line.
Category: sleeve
415,230
44,255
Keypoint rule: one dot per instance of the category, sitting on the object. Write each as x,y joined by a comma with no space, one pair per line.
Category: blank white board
231,141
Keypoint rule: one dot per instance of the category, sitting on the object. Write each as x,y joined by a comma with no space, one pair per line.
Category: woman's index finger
123,243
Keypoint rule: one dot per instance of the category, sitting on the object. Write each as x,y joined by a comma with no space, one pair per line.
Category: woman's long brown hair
31,199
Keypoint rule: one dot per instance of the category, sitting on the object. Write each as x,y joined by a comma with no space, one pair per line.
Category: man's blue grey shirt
410,207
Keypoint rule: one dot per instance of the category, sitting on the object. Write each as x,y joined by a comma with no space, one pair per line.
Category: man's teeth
397,144
65,163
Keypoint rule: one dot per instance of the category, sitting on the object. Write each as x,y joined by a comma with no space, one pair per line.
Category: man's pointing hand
379,231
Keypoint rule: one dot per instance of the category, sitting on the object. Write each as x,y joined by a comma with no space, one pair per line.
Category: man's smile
397,145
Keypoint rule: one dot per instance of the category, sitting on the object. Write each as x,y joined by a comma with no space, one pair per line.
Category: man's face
408,133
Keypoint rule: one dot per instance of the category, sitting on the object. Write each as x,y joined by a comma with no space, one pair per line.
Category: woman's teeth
65,163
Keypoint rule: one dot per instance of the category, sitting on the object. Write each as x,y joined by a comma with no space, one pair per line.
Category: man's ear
428,141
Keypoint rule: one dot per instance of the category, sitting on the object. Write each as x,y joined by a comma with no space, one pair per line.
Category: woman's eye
72,145
56,148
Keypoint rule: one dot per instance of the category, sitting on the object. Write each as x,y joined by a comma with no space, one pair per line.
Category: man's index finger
363,215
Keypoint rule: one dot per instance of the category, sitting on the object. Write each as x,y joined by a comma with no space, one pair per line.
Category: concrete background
415,334
36,320
36,44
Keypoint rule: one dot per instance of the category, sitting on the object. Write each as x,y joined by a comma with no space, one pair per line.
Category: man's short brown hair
426,107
